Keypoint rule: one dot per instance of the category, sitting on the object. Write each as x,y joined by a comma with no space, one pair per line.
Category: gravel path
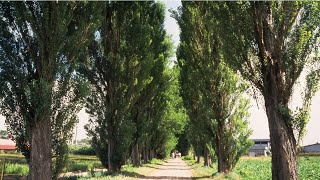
173,169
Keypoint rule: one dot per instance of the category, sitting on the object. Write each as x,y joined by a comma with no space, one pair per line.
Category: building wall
312,148
257,152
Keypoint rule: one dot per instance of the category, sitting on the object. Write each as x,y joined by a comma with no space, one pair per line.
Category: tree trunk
223,166
136,160
198,159
283,144
146,152
152,153
276,90
40,160
135,155
207,158
111,165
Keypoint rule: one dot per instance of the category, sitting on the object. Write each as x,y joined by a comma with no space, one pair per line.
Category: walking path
173,169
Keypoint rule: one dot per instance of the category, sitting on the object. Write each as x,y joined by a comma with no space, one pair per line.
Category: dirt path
173,169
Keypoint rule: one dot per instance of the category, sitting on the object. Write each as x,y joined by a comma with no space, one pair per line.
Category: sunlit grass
128,172
252,168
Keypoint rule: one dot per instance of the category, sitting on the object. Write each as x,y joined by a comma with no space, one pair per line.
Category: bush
82,166
20,169
82,150
188,157
77,167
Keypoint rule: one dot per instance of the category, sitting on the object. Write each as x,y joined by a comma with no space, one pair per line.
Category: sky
258,119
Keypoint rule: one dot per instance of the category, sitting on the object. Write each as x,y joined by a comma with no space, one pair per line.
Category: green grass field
127,172
252,168
16,165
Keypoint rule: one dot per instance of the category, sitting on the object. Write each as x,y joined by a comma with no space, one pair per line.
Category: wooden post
3,168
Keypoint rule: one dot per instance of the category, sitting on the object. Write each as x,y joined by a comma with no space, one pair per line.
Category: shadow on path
139,176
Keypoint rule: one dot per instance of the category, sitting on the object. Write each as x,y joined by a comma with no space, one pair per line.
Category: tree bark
276,92
145,154
111,165
135,155
136,160
152,153
283,144
40,159
198,159
207,158
223,165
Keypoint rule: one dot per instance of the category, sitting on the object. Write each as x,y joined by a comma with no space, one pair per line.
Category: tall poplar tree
160,51
39,44
128,45
270,44
220,91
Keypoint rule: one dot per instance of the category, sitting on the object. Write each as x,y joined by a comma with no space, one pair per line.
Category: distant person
172,155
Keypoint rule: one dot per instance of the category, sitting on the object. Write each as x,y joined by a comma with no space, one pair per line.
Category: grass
17,165
14,164
247,168
82,163
127,172
15,169
251,168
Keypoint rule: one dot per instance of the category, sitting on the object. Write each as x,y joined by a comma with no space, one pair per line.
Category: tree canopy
217,101
125,66
40,92
270,47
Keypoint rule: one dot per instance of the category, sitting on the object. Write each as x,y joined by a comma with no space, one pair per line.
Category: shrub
83,150
77,167
20,169
188,157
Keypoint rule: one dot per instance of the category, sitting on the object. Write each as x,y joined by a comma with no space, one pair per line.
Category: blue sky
258,119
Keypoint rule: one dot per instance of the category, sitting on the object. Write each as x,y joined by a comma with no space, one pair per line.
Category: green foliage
127,172
254,168
12,168
174,117
125,63
183,146
81,165
40,43
82,150
258,168
188,157
60,160
213,94
294,36
17,165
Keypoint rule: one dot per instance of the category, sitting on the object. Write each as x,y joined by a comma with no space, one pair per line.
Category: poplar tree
270,44
128,45
219,94
39,90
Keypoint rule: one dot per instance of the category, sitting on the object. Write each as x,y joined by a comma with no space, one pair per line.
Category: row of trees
127,68
217,110
269,44
111,57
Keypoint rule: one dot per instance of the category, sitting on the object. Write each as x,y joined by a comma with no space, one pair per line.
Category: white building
261,147
312,148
